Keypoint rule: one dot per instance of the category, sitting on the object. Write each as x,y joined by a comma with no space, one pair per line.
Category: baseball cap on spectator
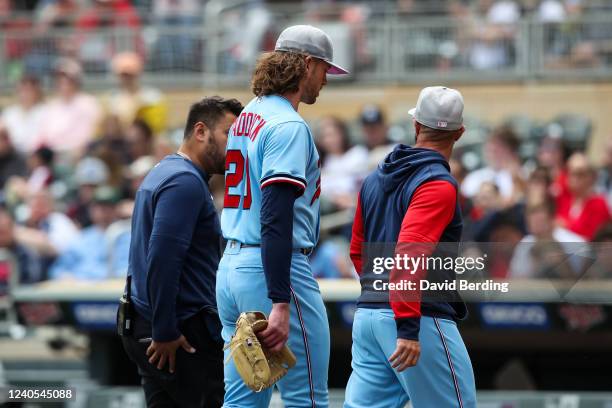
309,40
70,68
371,115
106,195
141,166
439,107
91,171
127,63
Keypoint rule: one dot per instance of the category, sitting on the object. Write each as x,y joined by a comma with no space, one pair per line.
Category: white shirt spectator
341,174
494,54
60,230
23,126
504,12
551,11
521,266
501,178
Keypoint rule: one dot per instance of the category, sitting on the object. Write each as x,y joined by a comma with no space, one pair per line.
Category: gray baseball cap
309,40
439,107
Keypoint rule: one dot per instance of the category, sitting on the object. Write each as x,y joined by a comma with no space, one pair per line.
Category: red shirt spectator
581,210
583,218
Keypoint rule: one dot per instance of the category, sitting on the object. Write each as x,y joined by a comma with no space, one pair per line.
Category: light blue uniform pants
241,287
442,378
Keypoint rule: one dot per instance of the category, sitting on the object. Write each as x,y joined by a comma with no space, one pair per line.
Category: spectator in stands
11,162
488,199
132,101
582,210
71,118
551,11
162,147
13,45
177,46
604,182
177,12
490,209
23,119
140,140
501,234
494,34
341,164
46,231
601,268
112,139
458,171
90,173
375,134
89,256
40,164
330,260
95,50
539,186
241,50
137,172
27,261
540,217
552,156
40,176
503,165
56,14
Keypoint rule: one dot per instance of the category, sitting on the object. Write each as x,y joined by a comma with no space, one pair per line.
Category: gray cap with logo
439,107
309,40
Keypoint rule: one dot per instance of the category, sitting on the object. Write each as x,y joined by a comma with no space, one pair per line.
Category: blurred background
93,93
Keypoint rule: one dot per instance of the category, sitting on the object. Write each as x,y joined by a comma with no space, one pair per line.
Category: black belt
303,251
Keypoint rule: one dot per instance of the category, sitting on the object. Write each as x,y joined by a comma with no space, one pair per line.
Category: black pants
197,380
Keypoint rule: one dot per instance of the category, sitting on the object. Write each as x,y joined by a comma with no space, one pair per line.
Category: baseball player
271,219
404,348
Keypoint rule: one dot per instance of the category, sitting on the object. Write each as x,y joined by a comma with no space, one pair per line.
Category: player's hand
161,352
276,334
405,355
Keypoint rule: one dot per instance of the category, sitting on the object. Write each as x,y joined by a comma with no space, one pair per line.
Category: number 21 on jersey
233,180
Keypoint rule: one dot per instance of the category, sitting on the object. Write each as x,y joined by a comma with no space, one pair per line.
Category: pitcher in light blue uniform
270,150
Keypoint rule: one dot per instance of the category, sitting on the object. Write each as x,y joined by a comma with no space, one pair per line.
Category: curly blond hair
278,73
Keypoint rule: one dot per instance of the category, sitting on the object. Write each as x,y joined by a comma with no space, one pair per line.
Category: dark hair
278,73
144,128
506,136
546,203
30,79
540,173
45,155
209,110
342,127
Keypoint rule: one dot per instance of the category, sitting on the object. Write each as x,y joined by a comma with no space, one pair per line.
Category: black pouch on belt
125,314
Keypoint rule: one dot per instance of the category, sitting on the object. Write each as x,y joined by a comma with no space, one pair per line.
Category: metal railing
385,48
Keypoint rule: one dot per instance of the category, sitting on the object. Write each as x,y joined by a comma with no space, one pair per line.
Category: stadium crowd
70,164
479,35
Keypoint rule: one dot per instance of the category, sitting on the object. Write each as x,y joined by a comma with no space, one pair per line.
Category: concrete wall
490,102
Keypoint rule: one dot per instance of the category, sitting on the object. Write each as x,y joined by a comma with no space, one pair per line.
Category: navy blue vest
385,197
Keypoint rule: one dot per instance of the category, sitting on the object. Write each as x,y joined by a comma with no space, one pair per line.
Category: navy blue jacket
384,200
175,247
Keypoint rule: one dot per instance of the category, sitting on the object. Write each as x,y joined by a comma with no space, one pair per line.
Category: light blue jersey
270,143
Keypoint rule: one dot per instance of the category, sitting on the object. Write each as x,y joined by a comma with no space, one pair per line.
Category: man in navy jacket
405,345
174,255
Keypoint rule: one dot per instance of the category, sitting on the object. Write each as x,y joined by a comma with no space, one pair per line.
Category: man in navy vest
406,345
